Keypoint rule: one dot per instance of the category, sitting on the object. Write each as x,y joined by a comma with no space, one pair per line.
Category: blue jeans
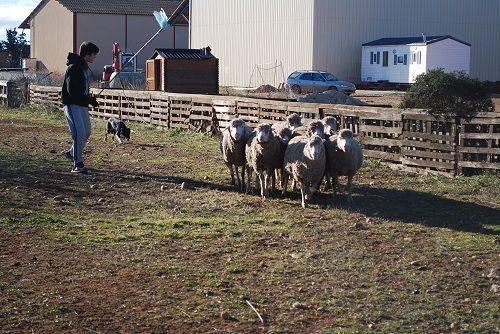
78,118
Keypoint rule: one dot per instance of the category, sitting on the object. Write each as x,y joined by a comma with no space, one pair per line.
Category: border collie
119,129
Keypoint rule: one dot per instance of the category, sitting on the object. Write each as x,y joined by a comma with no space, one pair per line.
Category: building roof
412,40
183,53
120,7
180,16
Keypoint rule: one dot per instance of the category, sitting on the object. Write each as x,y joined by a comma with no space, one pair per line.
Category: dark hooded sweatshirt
75,89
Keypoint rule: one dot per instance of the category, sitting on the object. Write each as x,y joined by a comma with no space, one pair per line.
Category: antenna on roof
424,38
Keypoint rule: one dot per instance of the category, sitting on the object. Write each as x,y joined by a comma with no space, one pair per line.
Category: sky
13,13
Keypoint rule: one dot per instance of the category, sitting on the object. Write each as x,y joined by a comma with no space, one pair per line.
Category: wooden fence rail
409,139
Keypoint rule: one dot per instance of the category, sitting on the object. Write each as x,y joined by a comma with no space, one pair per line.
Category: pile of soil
266,89
331,96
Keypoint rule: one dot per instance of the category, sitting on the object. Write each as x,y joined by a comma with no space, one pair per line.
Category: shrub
448,94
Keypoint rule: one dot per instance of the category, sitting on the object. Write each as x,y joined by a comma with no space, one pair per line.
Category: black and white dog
119,129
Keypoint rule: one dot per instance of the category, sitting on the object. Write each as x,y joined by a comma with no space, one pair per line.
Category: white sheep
284,135
315,127
262,151
305,163
292,122
330,124
344,156
232,145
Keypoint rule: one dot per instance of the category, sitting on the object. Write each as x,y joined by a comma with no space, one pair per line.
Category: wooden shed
193,71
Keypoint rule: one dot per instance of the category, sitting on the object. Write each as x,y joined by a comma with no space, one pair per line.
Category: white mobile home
401,60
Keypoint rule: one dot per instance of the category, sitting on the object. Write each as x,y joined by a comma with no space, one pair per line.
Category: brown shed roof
121,7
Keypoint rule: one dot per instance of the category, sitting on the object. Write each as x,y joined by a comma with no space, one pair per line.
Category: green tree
448,94
16,45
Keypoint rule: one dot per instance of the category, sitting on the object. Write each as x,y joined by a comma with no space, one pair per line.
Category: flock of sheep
305,153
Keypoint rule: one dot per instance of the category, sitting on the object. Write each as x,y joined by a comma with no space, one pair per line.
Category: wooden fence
408,139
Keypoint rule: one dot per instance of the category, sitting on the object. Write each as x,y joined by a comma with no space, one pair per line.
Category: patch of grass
32,217
47,115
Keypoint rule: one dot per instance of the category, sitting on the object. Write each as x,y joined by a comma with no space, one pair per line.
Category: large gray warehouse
266,40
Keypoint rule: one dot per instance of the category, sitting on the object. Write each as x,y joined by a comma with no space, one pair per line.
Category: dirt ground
155,240
370,97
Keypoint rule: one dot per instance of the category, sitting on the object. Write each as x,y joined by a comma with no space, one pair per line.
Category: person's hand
93,102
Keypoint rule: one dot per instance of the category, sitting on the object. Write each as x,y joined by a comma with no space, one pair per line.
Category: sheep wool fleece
79,124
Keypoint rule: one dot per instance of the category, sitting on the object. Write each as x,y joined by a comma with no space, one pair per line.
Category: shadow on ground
407,206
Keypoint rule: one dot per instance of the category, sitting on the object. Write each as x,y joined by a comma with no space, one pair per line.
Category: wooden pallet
479,143
225,110
180,110
428,142
249,111
202,115
272,112
46,95
309,111
136,107
109,104
159,109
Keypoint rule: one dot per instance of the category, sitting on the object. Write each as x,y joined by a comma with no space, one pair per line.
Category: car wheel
296,89
332,88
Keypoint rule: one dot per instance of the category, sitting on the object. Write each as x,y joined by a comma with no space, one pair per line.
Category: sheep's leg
242,187
238,180
303,192
335,181
328,183
249,177
231,171
284,181
315,187
263,184
273,178
349,188
277,175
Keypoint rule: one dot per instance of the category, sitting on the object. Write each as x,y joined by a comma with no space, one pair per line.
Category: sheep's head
330,124
264,132
294,121
316,128
315,147
344,140
284,135
237,128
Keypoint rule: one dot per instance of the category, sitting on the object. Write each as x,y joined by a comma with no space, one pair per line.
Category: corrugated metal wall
243,34
328,34
342,26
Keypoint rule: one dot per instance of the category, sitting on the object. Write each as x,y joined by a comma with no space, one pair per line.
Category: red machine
119,59
116,57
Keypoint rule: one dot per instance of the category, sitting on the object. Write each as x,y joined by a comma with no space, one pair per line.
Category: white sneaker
79,170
